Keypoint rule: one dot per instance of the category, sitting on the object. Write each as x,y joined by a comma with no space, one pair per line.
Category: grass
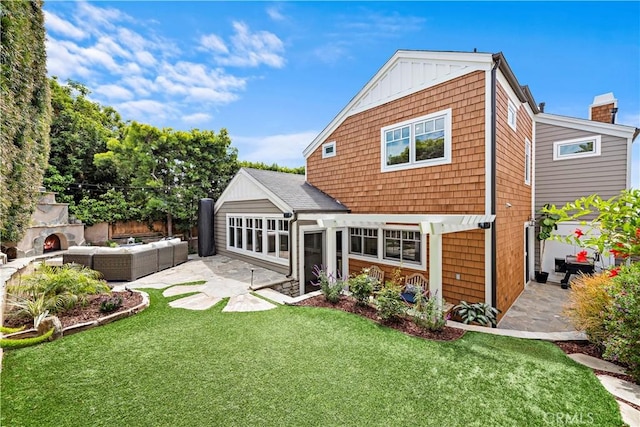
291,366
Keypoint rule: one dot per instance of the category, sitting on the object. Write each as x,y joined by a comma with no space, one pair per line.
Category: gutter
291,224
494,268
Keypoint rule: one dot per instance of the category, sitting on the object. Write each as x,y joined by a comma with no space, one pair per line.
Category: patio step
247,302
274,296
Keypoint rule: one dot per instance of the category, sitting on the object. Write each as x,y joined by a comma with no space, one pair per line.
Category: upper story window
527,162
576,148
329,149
512,114
419,142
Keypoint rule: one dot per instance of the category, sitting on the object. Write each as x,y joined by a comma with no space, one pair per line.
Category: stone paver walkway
224,277
621,389
538,309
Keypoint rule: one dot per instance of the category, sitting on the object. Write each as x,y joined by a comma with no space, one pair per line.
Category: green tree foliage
170,171
273,167
80,129
25,114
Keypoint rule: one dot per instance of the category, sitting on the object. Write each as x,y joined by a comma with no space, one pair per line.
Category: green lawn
292,366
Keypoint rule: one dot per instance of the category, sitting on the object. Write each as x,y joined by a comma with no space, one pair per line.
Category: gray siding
247,207
561,181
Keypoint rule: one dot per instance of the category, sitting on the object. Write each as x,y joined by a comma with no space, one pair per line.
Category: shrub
389,303
111,304
478,312
588,301
331,287
622,320
54,289
361,287
428,314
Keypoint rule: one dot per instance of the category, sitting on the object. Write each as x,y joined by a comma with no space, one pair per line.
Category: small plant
478,312
361,287
331,287
389,303
622,320
588,300
428,314
111,304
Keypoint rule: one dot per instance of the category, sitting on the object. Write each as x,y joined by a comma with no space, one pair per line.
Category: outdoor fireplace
50,230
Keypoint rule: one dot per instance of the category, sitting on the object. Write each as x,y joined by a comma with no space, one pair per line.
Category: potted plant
547,223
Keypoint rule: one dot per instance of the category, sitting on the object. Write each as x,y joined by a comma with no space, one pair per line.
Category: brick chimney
604,108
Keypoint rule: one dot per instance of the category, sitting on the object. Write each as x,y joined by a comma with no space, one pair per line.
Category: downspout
494,267
291,224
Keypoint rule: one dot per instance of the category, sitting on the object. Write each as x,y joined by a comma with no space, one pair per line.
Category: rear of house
576,158
430,168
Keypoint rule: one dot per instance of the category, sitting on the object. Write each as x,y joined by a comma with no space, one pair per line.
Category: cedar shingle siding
353,176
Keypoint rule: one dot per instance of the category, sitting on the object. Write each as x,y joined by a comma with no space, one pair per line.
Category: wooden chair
414,283
376,273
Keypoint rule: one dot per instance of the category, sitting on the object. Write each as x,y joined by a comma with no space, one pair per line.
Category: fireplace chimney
604,108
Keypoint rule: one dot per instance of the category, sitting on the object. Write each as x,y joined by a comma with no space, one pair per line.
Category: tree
79,130
170,171
273,167
25,114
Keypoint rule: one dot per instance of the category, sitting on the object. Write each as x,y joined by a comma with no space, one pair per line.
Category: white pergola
433,225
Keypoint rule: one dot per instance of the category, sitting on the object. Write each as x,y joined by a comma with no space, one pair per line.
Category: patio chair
377,274
413,284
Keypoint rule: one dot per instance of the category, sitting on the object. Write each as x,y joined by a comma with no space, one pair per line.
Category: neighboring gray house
579,157
256,219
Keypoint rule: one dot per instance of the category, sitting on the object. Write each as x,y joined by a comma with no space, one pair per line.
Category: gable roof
622,131
409,71
289,192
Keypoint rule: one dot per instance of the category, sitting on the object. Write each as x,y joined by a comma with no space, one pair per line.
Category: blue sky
275,74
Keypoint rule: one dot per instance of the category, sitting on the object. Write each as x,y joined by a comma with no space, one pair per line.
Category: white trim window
576,148
247,234
527,162
419,142
402,245
329,149
363,241
512,114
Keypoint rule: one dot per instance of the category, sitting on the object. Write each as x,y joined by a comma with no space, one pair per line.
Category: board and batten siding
244,207
562,181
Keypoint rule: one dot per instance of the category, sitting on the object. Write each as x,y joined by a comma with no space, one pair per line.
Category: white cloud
58,25
140,85
213,43
146,110
253,49
197,118
275,13
283,149
114,92
63,62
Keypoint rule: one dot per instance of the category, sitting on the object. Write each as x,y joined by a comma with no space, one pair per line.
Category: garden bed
404,324
84,313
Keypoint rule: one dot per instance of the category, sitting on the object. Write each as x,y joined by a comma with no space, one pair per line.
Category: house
429,168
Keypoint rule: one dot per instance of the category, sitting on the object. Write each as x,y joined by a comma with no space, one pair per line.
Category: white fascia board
237,180
621,131
482,61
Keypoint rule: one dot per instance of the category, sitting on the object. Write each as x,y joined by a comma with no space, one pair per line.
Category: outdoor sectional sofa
128,263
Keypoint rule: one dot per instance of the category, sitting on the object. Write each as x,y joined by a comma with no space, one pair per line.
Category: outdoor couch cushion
126,265
82,255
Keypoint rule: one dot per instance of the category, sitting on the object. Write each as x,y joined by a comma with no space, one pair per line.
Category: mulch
82,313
405,325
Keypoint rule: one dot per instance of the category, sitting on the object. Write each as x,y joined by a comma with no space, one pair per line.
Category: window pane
232,240
371,246
579,147
411,250
284,246
249,239
405,132
419,128
271,244
239,236
392,248
430,146
398,152
396,134
439,124
389,136
356,245
258,245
